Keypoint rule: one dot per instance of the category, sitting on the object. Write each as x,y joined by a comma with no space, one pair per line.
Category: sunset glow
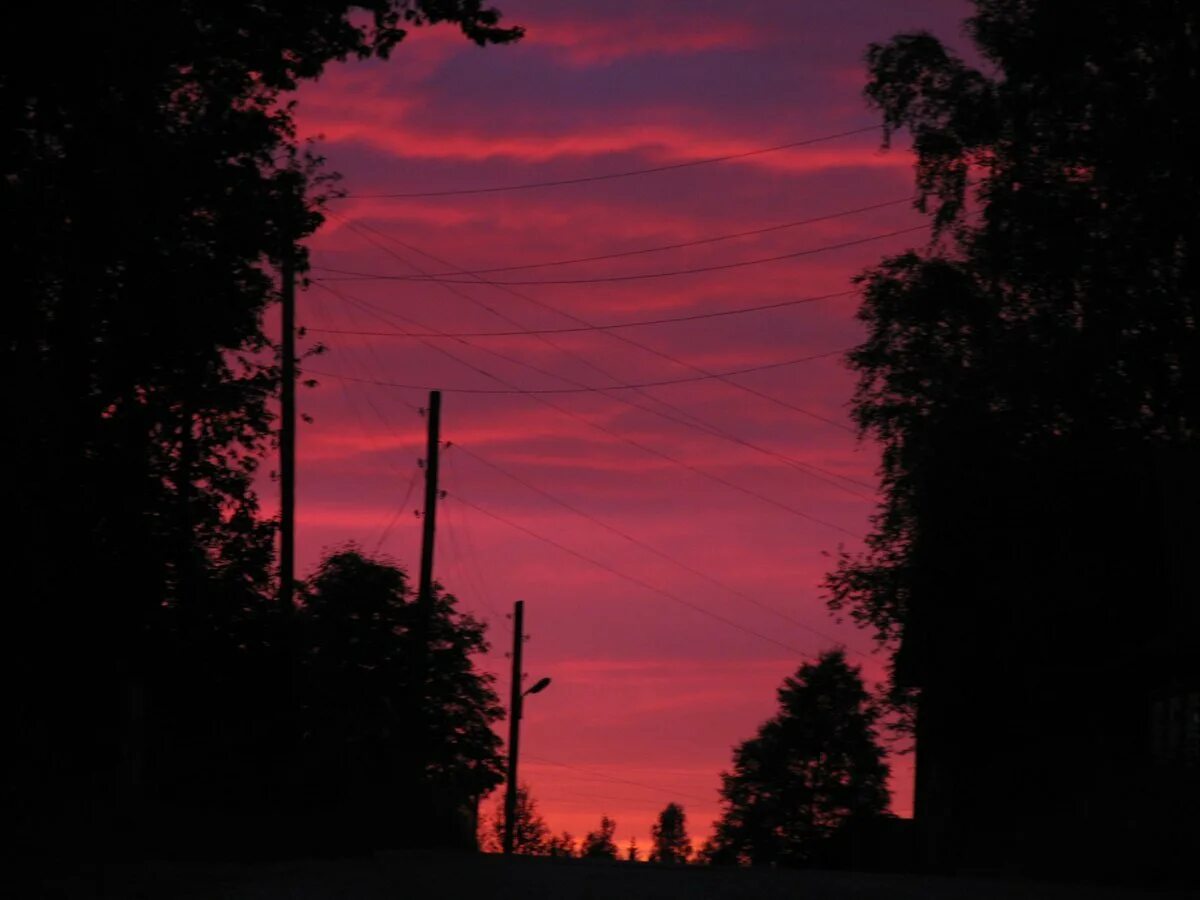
713,495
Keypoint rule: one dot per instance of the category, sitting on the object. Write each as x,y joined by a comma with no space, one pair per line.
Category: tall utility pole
432,443
514,727
287,432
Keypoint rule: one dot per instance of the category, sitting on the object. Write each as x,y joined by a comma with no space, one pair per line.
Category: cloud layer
680,533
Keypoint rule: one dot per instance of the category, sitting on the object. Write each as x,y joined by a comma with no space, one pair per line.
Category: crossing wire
588,389
632,579
689,419
351,275
592,773
668,167
691,317
623,339
624,535
695,242
635,443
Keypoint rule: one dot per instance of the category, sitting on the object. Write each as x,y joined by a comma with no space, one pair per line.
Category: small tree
671,843
811,769
631,852
531,837
599,844
562,846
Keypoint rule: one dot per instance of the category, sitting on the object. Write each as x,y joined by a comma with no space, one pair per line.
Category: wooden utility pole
514,728
432,444
287,432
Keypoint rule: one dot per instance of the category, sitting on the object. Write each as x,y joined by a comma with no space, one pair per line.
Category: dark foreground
434,876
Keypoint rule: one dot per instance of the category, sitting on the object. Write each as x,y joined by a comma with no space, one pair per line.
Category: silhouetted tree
631,852
531,837
362,706
813,767
599,844
562,845
155,173
1033,374
669,833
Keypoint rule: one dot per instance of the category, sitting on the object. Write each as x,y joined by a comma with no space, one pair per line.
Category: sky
669,541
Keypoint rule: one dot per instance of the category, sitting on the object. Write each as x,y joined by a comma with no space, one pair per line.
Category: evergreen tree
531,837
599,844
812,768
632,853
669,833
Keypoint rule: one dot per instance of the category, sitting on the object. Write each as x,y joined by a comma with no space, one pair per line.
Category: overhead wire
624,535
632,441
680,245
615,336
632,579
600,776
350,275
526,332
590,389
584,179
689,421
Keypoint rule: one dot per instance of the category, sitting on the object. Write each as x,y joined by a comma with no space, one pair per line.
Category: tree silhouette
531,837
562,845
669,833
811,769
155,176
361,704
599,844
631,852
1034,380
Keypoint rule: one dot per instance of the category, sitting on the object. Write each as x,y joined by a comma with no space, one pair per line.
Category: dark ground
451,876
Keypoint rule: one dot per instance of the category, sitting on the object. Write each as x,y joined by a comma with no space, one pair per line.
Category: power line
400,510
632,579
649,548
810,469
530,185
645,447
350,275
692,317
603,777
697,242
618,337
588,389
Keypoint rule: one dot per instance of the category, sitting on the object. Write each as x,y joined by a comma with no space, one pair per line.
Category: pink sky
649,694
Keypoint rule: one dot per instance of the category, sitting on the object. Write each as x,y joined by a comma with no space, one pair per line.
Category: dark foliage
562,846
531,837
813,769
599,844
151,177
378,733
1034,379
669,833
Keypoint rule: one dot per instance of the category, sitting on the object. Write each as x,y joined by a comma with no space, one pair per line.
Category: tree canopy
599,844
1054,316
812,768
670,837
153,178
363,697
1033,378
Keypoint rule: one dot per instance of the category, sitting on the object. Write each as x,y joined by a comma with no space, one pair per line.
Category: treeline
809,789
153,186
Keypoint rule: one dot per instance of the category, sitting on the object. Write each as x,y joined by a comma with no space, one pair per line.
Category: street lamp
515,709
